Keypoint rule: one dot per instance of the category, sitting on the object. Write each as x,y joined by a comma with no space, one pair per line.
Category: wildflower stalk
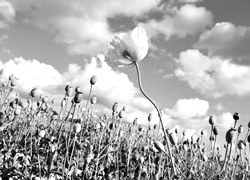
159,114
90,90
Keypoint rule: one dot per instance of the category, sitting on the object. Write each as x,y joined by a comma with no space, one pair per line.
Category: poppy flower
126,49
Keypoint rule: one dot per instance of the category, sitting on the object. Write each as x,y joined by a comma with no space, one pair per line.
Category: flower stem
159,114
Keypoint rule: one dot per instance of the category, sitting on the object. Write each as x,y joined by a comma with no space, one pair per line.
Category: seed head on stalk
127,50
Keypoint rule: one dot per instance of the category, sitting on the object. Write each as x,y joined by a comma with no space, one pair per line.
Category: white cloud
212,76
228,41
81,25
189,108
7,14
225,121
32,73
187,20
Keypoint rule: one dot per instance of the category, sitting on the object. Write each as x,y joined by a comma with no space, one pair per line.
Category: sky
198,63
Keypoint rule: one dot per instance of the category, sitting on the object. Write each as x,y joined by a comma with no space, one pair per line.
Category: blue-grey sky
198,63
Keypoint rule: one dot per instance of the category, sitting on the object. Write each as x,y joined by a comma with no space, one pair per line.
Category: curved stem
159,114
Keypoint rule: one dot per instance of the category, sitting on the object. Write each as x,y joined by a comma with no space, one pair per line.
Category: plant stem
159,114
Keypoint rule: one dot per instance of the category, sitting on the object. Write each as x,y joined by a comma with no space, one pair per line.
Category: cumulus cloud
7,14
187,20
81,25
227,40
189,108
212,76
32,73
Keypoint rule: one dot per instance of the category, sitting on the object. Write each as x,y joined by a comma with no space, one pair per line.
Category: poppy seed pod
124,108
240,129
93,80
159,146
236,116
78,97
149,117
211,120
121,114
14,82
11,77
173,138
241,144
155,126
93,99
33,92
17,111
202,132
135,121
249,124
45,99
183,133
176,130
230,135
215,130
115,107
204,158
248,138
70,91
77,89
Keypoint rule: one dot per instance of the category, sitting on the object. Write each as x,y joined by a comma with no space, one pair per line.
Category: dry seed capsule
230,135
93,100
173,139
93,80
14,82
77,89
78,97
176,130
121,114
69,91
149,117
211,120
236,116
248,138
115,107
249,124
135,121
215,130
240,129
11,77
241,144
33,92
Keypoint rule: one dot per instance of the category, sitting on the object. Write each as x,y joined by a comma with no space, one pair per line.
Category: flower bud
33,92
149,117
230,135
93,80
135,121
45,99
124,108
63,103
77,89
176,130
248,138
241,144
121,114
14,82
173,138
11,77
93,100
155,126
69,91
115,107
236,116
211,120
215,130
240,129
78,97
202,133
